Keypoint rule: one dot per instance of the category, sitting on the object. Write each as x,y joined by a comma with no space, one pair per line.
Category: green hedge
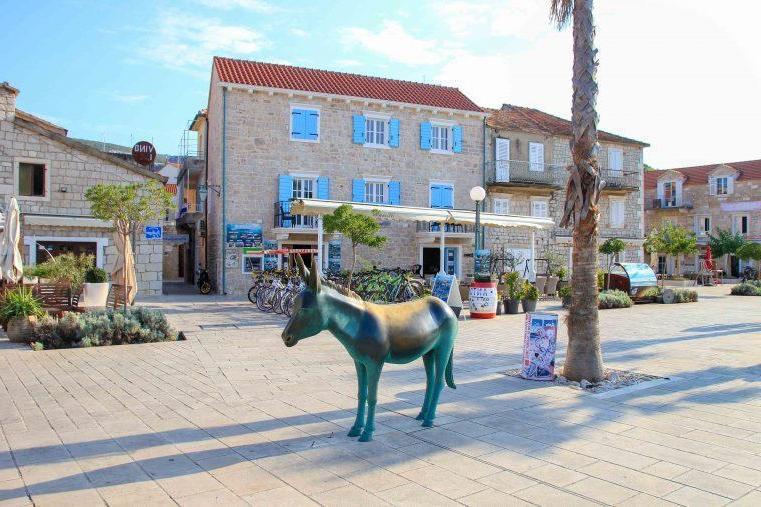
608,299
106,327
750,288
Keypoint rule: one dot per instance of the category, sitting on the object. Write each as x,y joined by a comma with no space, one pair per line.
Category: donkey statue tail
448,372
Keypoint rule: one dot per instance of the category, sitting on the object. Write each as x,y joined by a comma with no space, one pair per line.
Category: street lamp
478,194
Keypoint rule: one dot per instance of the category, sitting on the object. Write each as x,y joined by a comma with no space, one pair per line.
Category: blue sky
683,76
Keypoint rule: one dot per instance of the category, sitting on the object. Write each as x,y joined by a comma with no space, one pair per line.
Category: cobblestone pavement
231,416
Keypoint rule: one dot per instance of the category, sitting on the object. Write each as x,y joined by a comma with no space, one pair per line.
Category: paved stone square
232,417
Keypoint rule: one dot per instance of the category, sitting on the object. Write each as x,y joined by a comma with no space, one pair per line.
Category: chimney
7,101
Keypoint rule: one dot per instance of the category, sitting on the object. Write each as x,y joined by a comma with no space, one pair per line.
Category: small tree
610,248
672,240
360,229
128,207
726,243
750,251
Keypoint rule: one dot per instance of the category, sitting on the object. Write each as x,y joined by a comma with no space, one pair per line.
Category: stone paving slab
232,417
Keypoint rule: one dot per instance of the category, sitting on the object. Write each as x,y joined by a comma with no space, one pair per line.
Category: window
616,161
31,179
305,124
703,226
722,185
252,263
741,224
669,194
303,188
440,137
442,195
501,206
617,212
375,192
539,208
375,131
536,156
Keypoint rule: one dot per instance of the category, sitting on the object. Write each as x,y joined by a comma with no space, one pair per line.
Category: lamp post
478,194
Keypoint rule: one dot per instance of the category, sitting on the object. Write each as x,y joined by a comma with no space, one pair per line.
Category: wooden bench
115,299
55,297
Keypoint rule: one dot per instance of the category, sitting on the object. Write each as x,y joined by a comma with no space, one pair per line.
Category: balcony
667,204
284,219
619,180
189,212
521,173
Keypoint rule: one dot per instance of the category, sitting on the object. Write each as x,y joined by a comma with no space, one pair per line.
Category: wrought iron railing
672,203
448,228
285,219
524,173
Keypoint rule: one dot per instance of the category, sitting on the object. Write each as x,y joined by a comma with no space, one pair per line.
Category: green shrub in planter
565,292
613,299
746,289
685,296
652,292
96,275
529,295
64,268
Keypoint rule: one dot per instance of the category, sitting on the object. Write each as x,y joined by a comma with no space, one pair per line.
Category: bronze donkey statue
377,334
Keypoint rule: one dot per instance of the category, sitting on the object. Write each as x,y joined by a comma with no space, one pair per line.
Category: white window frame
673,186
621,202
546,202
504,201
737,223
437,246
532,164
726,185
618,170
251,256
700,229
17,161
100,256
382,183
438,124
384,119
309,107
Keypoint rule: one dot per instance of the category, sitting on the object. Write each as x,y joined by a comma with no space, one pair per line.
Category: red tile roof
287,77
527,119
698,175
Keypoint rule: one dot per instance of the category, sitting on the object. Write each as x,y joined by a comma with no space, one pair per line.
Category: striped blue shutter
358,190
284,194
447,197
323,187
436,197
457,139
298,124
358,129
312,122
394,192
393,132
425,136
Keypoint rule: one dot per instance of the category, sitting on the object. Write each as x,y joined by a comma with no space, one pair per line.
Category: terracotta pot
529,305
20,329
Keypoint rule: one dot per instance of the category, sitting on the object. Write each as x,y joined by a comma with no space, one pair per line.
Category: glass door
303,188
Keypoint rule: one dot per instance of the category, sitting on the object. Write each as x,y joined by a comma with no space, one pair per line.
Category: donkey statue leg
430,378
373,376
359,422
442,356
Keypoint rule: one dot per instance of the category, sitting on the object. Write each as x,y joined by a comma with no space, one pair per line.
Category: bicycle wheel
252,294
288,303
264,299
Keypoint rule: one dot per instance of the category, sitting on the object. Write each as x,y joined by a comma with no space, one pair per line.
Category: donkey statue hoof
355,431
428,423
420,416
366,436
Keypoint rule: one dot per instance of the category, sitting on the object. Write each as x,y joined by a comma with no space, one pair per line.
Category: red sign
144,153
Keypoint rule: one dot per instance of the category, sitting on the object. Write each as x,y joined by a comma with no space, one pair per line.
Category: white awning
453,216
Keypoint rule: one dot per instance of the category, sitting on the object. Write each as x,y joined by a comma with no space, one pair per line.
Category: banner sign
442,286
178,239
334,256
243,235
741,206
277,251
152,232
270,261
539,343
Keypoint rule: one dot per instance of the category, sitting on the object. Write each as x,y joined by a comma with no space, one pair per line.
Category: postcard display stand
445,288
539,343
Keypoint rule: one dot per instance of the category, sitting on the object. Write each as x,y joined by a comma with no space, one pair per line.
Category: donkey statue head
309,316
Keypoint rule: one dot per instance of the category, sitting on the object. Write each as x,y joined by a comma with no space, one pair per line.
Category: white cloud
298,32
189,42
521,19
128,98
393,42
250,5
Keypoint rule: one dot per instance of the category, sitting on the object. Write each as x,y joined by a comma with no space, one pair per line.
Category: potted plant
562,274
512,293
95,288
565,293
530,294
20,310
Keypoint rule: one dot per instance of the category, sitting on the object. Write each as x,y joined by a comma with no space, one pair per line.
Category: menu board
442,286
243,235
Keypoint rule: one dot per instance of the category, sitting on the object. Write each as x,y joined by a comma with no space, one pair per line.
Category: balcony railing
524,173
672,203
620,179
448,228
287,220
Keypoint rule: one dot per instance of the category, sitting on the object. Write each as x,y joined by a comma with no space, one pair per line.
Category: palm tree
584,356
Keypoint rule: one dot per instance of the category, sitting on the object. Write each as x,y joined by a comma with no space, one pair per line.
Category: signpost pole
320,256
441,250
532,273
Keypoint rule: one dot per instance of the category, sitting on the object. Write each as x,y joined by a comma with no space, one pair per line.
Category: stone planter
19,329
94,295
529,305
552,285
541,281
512,306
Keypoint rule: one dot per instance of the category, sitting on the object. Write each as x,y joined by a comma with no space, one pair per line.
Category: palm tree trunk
584,356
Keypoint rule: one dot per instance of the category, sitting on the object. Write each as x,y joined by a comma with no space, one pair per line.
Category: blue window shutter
312,122
447,200
393,132
394,192
358,190
425,136
284,187
436,196
358,127
457,139
323,187
298,124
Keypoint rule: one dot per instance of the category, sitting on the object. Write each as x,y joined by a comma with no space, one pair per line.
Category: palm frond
561,12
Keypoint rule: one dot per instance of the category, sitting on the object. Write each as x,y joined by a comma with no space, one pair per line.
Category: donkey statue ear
314,276
303,271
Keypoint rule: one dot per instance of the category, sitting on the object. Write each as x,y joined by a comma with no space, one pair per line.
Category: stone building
528,151
276,132
49,172
705,199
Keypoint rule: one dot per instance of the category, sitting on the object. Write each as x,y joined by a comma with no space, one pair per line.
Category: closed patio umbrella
11,262
124,250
